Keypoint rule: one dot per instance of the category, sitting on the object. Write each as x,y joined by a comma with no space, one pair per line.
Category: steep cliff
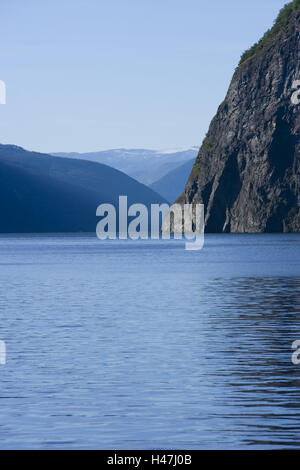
247,173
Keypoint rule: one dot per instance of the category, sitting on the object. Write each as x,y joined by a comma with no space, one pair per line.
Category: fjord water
124,344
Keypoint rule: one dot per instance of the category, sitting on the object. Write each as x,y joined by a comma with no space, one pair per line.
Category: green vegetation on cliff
280,24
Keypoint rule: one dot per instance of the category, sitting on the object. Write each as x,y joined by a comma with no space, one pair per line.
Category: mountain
146,166
247,172
41,193
173,183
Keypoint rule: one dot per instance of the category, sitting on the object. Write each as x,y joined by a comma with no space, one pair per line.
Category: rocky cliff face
247,173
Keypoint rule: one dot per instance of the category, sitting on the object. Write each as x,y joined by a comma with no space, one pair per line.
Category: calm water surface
145,345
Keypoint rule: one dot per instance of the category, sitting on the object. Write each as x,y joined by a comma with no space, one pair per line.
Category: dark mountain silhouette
247,172
41,193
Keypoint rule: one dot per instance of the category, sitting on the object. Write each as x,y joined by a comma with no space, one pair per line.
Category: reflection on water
144,345
258,323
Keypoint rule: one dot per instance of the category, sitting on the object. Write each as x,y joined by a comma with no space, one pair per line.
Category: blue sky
86,75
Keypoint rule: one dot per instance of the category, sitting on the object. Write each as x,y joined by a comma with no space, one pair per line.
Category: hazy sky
86,75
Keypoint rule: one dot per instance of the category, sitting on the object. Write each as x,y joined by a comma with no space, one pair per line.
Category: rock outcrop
247,173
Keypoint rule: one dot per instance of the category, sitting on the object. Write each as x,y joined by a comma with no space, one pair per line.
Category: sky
87,75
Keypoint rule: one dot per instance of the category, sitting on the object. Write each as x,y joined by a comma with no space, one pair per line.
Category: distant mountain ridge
40,193
172,184
146,166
